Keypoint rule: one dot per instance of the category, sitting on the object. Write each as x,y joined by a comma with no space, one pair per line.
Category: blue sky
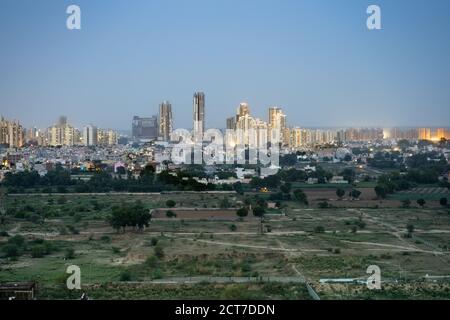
314,58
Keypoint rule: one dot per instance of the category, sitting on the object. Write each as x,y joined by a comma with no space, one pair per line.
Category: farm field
208,252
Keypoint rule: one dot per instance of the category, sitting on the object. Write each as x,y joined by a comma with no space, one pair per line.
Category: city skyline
315,59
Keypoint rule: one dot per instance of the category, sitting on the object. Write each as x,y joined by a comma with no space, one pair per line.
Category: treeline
59,181
423,168
301,176
31,179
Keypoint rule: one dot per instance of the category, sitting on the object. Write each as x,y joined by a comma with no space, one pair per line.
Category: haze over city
315,59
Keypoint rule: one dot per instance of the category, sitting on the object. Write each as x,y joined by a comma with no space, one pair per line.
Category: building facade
165,120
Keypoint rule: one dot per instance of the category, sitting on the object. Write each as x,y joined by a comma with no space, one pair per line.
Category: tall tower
165,120
243,110
90,135
277,125
199,115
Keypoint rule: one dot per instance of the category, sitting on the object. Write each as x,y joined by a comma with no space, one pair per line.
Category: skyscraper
145,128
199,115
165,120
424,134
90,135
11,133
231,123
61,134
243,110
277,125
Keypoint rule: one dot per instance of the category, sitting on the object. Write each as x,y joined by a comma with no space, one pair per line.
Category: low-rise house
338,180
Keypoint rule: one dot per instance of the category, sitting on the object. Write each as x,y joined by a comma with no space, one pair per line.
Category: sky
316,59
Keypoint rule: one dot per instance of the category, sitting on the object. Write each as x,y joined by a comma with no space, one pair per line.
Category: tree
410,228
421,202
242,212
259,211
238,188
300,196
286,188
443,202
381,191
10,250
340,193
355,194
170,203
135,216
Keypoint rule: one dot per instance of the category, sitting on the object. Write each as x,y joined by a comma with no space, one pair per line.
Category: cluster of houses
128,160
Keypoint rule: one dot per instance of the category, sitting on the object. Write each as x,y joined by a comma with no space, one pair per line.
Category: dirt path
385,245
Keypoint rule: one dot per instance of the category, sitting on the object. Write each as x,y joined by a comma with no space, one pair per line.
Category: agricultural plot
196,256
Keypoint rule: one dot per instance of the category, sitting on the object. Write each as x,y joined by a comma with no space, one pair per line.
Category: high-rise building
249,131
12,133
424,134
165,120
440,134
62,134
231,123
277,125
243,110
145,128
107,137
90,135
199,115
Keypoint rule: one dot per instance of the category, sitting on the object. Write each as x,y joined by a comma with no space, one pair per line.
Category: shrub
115,250
171,214
62,200
106,239
125,276
242,212
319,229
35,218
70,254
77,217
323,205
17,240
151,262
4,234
38,251
170,203
154,241
233,227
159,252
72,229
10,250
